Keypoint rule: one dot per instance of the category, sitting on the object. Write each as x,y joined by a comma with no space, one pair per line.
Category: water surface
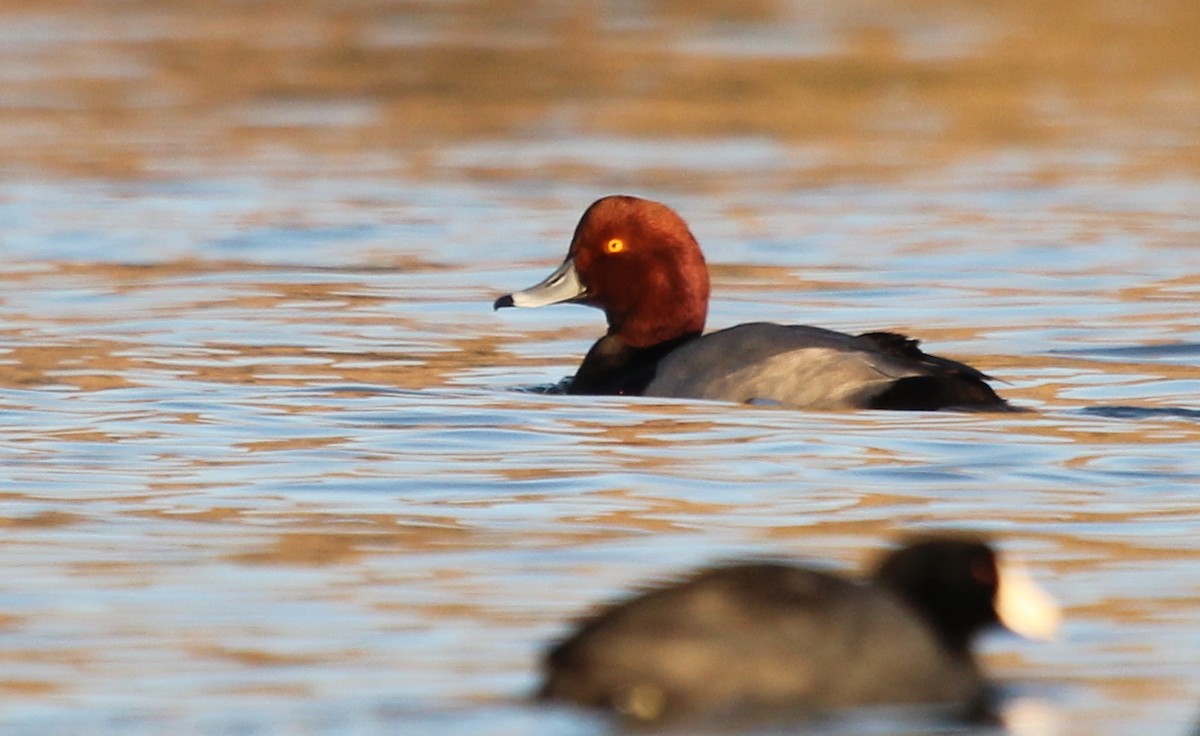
270,463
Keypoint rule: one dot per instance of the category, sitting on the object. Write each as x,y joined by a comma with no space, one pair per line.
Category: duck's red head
638,261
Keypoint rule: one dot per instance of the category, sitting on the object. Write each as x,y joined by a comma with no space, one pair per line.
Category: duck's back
757,636
814,368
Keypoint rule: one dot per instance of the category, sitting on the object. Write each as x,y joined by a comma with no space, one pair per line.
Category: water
270,463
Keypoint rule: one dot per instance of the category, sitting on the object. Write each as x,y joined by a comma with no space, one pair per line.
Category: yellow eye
616,245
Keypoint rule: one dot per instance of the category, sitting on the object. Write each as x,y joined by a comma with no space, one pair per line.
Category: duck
753,638
637,260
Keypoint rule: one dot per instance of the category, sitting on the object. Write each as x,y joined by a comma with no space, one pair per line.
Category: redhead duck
638,261
768,637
